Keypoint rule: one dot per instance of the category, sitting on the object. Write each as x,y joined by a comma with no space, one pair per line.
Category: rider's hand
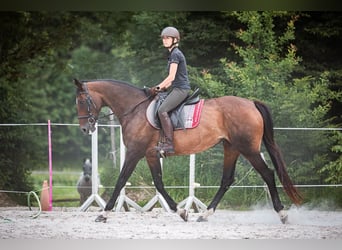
154,90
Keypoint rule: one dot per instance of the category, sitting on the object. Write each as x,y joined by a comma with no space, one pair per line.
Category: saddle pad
191,115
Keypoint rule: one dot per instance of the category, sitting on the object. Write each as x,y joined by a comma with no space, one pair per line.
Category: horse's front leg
131,160
156,171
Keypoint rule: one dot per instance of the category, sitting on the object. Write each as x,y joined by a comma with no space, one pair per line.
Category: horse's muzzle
87,178
87,128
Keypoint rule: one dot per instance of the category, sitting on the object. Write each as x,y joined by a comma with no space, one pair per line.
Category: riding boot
167,128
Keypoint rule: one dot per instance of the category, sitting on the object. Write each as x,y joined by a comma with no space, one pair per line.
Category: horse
240,124
84,184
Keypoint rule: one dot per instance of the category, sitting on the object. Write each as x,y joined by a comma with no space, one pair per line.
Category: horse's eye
81,102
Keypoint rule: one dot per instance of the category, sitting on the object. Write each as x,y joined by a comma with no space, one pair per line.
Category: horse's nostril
84,130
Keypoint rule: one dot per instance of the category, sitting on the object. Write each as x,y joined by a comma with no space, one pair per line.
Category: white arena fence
123,200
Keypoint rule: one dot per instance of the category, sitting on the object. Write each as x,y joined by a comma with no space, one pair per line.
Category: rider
176,82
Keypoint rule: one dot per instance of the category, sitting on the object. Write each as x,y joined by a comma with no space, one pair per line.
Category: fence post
94,175
192,199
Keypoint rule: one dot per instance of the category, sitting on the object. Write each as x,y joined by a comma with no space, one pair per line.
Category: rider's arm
166,83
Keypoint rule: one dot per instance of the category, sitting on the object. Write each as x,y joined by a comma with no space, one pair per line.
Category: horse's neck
120,98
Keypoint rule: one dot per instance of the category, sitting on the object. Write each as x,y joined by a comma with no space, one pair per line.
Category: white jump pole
50,165
123,200
192,199
94,176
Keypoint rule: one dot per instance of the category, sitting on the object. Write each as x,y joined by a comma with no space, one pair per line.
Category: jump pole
50,165
192,199
94,174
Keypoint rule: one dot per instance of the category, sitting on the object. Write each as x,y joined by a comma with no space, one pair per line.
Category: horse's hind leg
268,176
156,171
230,158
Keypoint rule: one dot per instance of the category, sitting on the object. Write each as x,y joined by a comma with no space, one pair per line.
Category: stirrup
162,151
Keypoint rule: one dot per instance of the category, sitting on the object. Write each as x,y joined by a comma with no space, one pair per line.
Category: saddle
185,115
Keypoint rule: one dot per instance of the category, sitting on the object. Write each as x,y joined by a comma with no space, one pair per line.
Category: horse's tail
276,155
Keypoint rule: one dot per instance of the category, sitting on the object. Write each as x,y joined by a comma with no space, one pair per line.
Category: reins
133,108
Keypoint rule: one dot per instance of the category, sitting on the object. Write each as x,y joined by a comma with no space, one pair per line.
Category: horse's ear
78,84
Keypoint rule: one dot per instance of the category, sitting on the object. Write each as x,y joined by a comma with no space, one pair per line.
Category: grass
64,192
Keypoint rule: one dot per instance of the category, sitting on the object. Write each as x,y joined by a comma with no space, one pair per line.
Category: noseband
91,117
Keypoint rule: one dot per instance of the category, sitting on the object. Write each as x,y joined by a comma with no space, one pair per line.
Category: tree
24,36
269,60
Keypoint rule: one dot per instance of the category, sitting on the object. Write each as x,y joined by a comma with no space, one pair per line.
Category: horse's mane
114,82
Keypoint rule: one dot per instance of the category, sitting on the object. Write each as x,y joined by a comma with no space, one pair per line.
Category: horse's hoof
202,219
101,218
183,214
205,215
283,217
284,220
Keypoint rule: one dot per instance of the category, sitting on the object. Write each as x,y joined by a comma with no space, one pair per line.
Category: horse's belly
193,141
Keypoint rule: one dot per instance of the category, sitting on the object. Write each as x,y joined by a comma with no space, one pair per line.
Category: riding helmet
170,31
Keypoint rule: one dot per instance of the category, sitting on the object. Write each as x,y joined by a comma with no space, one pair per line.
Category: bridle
90,116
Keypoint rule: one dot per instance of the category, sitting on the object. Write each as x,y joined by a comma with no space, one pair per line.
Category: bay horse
241,125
